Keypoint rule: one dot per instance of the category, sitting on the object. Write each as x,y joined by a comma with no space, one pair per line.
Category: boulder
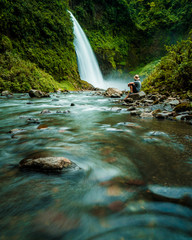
16,130
155,112
138,96
45,111
113,93
129,100
45,163
136,113
183,117
33,120
174,102
167,107
153,97
37,94
7,94
184,106
132,108
148,101
146,115
163,115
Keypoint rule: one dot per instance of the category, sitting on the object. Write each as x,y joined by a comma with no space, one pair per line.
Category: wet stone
168,107
42,126
146,115
138,96
131,108
158,134
33,120
148,101
45,163
129,100
66,111
45,111
113,93
184,117
7,94
174,102
16,130
115,96
135,112
162,115
38,94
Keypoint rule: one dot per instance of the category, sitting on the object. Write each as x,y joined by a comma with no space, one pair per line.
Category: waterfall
87,63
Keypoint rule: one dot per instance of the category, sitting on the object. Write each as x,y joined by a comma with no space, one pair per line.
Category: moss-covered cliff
40,34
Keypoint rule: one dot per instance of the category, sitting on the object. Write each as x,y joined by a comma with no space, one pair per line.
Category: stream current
134,179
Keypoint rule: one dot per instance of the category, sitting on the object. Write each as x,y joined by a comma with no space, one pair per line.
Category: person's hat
136,76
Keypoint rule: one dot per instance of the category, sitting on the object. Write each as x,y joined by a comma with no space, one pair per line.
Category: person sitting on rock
135,86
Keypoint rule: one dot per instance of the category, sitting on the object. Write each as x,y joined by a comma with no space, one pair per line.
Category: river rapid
134,179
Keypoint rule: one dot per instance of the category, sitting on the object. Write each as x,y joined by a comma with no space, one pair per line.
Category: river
134,179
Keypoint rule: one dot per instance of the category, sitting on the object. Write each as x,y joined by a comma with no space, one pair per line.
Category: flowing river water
134,179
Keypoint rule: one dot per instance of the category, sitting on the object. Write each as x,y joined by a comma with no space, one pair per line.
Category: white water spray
87,63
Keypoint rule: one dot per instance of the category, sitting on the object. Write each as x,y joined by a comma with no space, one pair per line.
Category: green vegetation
39,34
126,34
174,70
17,75
145,70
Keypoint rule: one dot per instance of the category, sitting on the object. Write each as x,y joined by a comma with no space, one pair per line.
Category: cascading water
87,63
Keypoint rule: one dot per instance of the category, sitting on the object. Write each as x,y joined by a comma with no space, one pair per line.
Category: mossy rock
155,112
182,107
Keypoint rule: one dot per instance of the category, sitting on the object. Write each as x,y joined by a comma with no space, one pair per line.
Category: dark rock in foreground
45,163
159,106
37,94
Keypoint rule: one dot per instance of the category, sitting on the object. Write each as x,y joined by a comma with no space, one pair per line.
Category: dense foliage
174,72
40,32
17,75
127,33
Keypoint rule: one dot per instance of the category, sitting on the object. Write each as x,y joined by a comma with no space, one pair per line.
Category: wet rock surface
37,94
7,94
113,93
45,163
159,106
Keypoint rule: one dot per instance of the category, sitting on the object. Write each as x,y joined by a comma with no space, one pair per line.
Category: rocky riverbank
153,105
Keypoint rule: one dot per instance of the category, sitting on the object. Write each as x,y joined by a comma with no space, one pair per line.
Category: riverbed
133,178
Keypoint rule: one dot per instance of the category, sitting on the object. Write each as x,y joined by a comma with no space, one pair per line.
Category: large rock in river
37,94
137,96
7,94
113,93
45,163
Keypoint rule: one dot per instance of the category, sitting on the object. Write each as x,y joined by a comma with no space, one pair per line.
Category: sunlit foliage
174,72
